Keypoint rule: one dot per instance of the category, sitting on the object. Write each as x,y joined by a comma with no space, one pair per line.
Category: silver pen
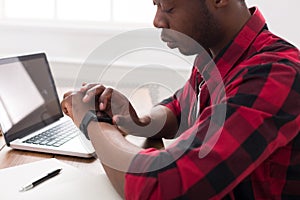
40,180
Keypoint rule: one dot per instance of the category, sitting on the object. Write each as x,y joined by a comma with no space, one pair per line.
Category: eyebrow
155,2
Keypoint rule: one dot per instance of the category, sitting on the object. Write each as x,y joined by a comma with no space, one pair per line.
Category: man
254,153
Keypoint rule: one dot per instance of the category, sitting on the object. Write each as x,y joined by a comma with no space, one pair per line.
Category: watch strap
92,115
88,117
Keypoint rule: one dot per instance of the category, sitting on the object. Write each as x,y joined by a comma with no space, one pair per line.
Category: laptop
30,114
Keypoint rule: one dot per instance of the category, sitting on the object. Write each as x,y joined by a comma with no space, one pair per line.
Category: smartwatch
92,115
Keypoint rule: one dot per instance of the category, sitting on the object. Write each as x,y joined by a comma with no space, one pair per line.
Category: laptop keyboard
55,136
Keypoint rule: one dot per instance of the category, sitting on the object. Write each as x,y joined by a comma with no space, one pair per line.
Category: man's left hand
73,106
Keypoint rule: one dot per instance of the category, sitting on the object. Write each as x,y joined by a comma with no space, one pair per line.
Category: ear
220,3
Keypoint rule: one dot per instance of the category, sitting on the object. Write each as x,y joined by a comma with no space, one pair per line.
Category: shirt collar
233,51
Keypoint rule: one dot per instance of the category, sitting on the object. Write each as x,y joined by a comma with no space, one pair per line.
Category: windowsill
74,26
61,40
69,45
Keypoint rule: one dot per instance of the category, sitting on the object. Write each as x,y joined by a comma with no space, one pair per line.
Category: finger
87,86
66,106
121,120
126,124
63,107
67,94
105,99
93,92
144,121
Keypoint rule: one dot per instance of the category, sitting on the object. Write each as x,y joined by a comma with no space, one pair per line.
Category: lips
171,43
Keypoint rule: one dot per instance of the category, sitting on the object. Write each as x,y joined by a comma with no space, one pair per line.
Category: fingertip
83,89
145,120
102,106
115,120
119,120
85,99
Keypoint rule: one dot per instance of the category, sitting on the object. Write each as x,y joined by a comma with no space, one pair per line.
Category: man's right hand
116,105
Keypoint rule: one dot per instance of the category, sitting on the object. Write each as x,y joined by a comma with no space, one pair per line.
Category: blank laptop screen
28,97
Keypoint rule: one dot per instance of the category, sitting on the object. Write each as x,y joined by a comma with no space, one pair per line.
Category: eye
169,10
167,7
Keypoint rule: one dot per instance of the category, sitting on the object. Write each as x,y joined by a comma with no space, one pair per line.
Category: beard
203,33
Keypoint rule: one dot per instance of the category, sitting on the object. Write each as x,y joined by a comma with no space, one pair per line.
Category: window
28,9
111,11
89,10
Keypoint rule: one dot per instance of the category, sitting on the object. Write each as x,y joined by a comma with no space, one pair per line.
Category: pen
41,180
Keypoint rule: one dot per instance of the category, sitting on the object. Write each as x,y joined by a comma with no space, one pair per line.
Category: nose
160,20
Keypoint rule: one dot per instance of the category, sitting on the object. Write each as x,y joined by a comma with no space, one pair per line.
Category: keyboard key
55,136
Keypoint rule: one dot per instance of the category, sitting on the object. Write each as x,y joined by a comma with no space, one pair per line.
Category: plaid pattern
254,153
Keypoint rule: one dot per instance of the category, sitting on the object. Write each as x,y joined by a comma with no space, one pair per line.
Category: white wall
67,46
282,17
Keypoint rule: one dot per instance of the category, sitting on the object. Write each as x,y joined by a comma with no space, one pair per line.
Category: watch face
103,117
102,114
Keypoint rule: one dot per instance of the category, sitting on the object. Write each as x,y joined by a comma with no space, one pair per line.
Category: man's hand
114,104
73,106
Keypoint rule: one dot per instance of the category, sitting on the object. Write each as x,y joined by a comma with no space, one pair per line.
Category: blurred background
68,31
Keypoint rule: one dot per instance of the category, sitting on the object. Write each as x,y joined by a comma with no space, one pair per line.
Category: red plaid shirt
254,149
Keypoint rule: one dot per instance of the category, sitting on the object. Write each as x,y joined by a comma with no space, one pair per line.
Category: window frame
112,23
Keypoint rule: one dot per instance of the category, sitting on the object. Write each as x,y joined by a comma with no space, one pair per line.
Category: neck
231,29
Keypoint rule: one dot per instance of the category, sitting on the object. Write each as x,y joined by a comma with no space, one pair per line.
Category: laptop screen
28,97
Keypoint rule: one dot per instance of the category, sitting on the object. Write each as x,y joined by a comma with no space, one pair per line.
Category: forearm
114,152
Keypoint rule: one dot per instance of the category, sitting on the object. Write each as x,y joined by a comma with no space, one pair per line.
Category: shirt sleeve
173,104
212,157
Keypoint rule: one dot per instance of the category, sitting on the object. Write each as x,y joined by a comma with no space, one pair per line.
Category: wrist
93,116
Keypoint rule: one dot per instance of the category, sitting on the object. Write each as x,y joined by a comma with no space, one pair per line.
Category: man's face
187,24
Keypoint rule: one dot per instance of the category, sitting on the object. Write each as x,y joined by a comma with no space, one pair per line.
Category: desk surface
10,157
